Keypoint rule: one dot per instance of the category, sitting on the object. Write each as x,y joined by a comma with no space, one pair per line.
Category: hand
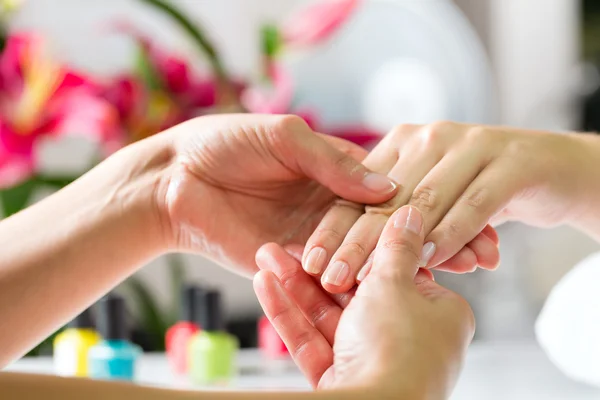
461,177
401,334
240,181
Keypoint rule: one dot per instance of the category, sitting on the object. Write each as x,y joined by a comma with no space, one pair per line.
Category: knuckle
355,248
385,209
475,199
341,204
328,232
450,230
288,276
478,134
279,318
520,149
319,312
301,342
402,130
402,245
344,162
424,198
289,124
433,133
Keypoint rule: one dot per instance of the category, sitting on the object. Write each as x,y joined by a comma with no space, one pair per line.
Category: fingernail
337,273
409,218
427,253
315,261
378,183
364,271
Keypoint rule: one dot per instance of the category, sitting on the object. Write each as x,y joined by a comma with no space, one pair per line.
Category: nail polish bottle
71,346
179,335
115,357
269,342
212,351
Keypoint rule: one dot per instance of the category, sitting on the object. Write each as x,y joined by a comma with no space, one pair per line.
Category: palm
235,191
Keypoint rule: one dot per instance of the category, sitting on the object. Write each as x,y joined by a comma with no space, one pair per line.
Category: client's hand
239,181
401,335
461,177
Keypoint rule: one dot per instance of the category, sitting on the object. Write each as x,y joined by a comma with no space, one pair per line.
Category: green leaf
195,32
177,270
146,70
55,182
45,347
16,198
271,41
151,318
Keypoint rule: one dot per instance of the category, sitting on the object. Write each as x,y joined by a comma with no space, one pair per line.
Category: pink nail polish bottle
179,335
269,342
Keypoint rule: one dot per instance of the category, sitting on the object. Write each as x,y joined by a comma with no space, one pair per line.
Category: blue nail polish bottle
115,357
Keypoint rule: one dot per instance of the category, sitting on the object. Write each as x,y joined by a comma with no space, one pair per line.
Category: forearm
25,386
65,252
587,178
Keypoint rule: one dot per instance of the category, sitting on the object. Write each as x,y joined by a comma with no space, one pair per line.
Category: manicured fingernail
427,253
315,261
364,271
409,218
378,183
337,273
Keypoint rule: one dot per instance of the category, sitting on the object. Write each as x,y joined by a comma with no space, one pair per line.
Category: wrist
586,175
139,177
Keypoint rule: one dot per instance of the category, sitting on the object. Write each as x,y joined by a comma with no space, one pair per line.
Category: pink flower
39,98
357,134
275,96
162,93
318,22
141,111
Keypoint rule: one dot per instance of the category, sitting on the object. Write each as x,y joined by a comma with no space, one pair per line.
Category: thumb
325,162
398,252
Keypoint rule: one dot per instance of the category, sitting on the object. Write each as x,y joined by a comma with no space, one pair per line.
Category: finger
353,253
332,230
480,252
329,234
486,251
439,190
360,241
365,269
464,262
491,233
399,248
318,308
313,156
341,299
484,198
307,346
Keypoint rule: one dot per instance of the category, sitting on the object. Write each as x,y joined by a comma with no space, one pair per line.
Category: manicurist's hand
239,181
221,186
400,335
463,177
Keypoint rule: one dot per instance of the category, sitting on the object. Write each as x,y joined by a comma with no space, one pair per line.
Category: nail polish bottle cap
210,316
112,318
84,320
189,303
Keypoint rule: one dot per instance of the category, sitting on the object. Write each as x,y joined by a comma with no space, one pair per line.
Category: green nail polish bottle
211,351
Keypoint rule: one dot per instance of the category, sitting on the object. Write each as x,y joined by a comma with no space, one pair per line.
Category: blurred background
522,63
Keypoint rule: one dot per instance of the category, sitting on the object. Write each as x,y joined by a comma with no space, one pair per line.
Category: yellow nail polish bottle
72,345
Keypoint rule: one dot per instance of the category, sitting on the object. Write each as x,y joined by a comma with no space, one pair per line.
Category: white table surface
499,371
